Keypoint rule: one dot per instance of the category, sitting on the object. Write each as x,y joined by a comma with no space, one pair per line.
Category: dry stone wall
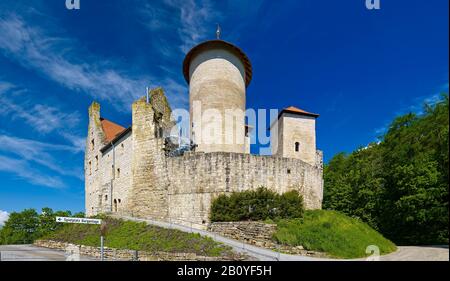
123,254
255,233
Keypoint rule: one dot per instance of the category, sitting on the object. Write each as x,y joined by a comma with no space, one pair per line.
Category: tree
399,185
20,228
26,226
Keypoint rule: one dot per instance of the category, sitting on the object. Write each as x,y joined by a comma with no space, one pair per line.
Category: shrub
258,205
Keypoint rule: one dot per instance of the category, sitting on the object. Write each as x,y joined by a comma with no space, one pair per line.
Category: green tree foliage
26,226
259,204
399,185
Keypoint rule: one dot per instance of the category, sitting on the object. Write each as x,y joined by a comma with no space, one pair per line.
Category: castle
138,171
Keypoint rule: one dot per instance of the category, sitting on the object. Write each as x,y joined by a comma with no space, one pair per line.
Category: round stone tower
218,74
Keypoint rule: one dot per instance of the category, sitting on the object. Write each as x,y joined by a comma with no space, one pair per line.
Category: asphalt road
33,253
405,253
418,253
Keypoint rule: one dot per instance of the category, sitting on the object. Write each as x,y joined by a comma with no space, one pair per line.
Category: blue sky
357,68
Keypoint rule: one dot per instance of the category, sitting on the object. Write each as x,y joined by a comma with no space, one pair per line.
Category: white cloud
191,20
21,169
51,56
31,151
3,217
41,118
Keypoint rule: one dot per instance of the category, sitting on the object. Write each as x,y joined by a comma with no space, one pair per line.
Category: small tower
295,136
218,74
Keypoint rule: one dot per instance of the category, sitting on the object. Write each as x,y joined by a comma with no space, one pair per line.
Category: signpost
78,220
87,221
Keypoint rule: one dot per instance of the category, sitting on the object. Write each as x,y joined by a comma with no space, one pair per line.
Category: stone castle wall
217,82
92,162
107,174
181,189
149,181
195,179
116,175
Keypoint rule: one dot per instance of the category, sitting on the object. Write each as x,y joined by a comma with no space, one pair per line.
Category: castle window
120,201
92,144
96,162
288,171
297,147
115,205
90,168
118,172
106,197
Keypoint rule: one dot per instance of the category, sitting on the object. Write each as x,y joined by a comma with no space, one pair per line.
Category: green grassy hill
333,233
138,236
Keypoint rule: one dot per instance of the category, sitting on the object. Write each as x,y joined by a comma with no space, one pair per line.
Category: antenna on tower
147,95
218,32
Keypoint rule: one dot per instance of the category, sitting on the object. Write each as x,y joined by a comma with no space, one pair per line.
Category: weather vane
218,31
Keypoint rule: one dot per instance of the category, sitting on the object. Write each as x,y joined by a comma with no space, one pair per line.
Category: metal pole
0,256
102,253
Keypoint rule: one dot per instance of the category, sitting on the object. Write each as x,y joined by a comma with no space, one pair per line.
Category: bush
257,205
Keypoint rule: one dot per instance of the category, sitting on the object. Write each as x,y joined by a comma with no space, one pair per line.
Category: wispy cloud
42,118
416,107
56,58
41,153
23,170
191,20
3,217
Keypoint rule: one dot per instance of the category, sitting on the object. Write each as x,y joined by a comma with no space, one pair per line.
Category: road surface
406,253
418,253
33,253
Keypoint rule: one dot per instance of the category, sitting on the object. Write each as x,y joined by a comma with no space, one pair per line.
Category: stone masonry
128,172
180,189
129,255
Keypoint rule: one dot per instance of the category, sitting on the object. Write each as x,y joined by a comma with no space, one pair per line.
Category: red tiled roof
293,109
110,129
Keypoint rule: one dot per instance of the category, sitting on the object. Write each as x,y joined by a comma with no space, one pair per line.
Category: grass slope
333,233
138,236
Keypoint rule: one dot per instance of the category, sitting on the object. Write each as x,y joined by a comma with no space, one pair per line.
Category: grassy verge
333,233
138,236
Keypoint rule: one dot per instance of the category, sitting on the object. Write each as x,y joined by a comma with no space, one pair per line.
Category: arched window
297,147
115,205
